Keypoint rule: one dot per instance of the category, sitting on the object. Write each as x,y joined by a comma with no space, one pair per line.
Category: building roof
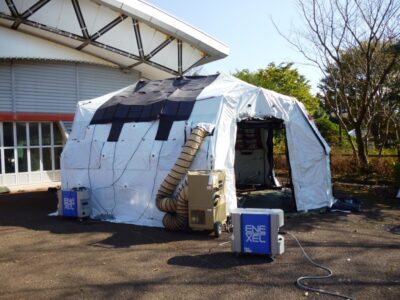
131,34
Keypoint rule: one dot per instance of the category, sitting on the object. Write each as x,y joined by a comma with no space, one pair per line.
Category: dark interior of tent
260,146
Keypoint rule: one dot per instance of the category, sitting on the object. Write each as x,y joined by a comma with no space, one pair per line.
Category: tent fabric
124,176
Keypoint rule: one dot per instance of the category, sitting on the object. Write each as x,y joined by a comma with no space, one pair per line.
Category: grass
337,150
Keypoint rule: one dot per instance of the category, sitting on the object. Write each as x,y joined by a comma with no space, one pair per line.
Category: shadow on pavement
218,260
30,210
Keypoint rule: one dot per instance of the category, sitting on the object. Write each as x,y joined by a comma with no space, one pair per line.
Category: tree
284,79
386,121
349,41
383,109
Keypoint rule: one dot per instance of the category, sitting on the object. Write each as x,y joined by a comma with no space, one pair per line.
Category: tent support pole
290,169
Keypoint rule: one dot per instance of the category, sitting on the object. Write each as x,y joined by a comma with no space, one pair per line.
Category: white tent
124,163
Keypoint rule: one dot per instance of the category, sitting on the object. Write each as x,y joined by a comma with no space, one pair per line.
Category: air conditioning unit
74,203
206,200
256,231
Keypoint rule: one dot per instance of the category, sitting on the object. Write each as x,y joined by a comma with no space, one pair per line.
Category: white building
54,53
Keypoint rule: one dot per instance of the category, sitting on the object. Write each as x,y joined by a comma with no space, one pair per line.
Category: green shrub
330,132
328,129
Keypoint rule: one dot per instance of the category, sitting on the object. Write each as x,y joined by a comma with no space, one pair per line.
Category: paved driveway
43,257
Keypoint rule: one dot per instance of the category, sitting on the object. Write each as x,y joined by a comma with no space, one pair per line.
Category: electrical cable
133,154
176,208
88,169
154,183
315,277
122,173
219,245
113,185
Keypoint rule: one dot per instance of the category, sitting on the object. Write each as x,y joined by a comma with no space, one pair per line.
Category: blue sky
246,27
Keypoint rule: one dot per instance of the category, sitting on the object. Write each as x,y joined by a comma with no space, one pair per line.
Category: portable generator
206,200
74,203
256,231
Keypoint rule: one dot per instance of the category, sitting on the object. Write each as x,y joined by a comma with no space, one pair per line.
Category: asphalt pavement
44,257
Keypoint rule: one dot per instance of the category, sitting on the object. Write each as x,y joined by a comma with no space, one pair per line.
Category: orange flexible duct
176,208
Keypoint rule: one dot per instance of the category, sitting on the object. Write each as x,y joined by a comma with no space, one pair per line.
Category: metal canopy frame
87,39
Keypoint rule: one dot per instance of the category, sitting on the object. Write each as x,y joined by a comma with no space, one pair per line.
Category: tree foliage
328,129
350,41
284,79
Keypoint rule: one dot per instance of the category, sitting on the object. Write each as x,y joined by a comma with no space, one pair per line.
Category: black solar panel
168,100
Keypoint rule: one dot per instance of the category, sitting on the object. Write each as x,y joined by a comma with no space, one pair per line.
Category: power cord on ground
219,245
300,280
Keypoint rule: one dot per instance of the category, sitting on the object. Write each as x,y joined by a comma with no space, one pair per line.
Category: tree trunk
385,138
380,150
346,130
353,148
361,147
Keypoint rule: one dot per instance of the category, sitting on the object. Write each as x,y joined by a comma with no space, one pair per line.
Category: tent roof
128,33
123,160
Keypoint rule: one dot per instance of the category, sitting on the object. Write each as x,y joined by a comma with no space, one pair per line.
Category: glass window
58,140
1,169
9,160
34,134
46,139
35,159
8,133
57,157
21,134
47,159
22,159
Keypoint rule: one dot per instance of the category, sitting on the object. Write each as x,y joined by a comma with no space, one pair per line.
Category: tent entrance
257,184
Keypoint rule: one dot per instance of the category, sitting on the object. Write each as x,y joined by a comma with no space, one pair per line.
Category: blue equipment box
74,203
256,231
69,202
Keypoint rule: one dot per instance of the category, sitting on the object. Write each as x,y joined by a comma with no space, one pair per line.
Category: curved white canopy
124,175
127,33
17,45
